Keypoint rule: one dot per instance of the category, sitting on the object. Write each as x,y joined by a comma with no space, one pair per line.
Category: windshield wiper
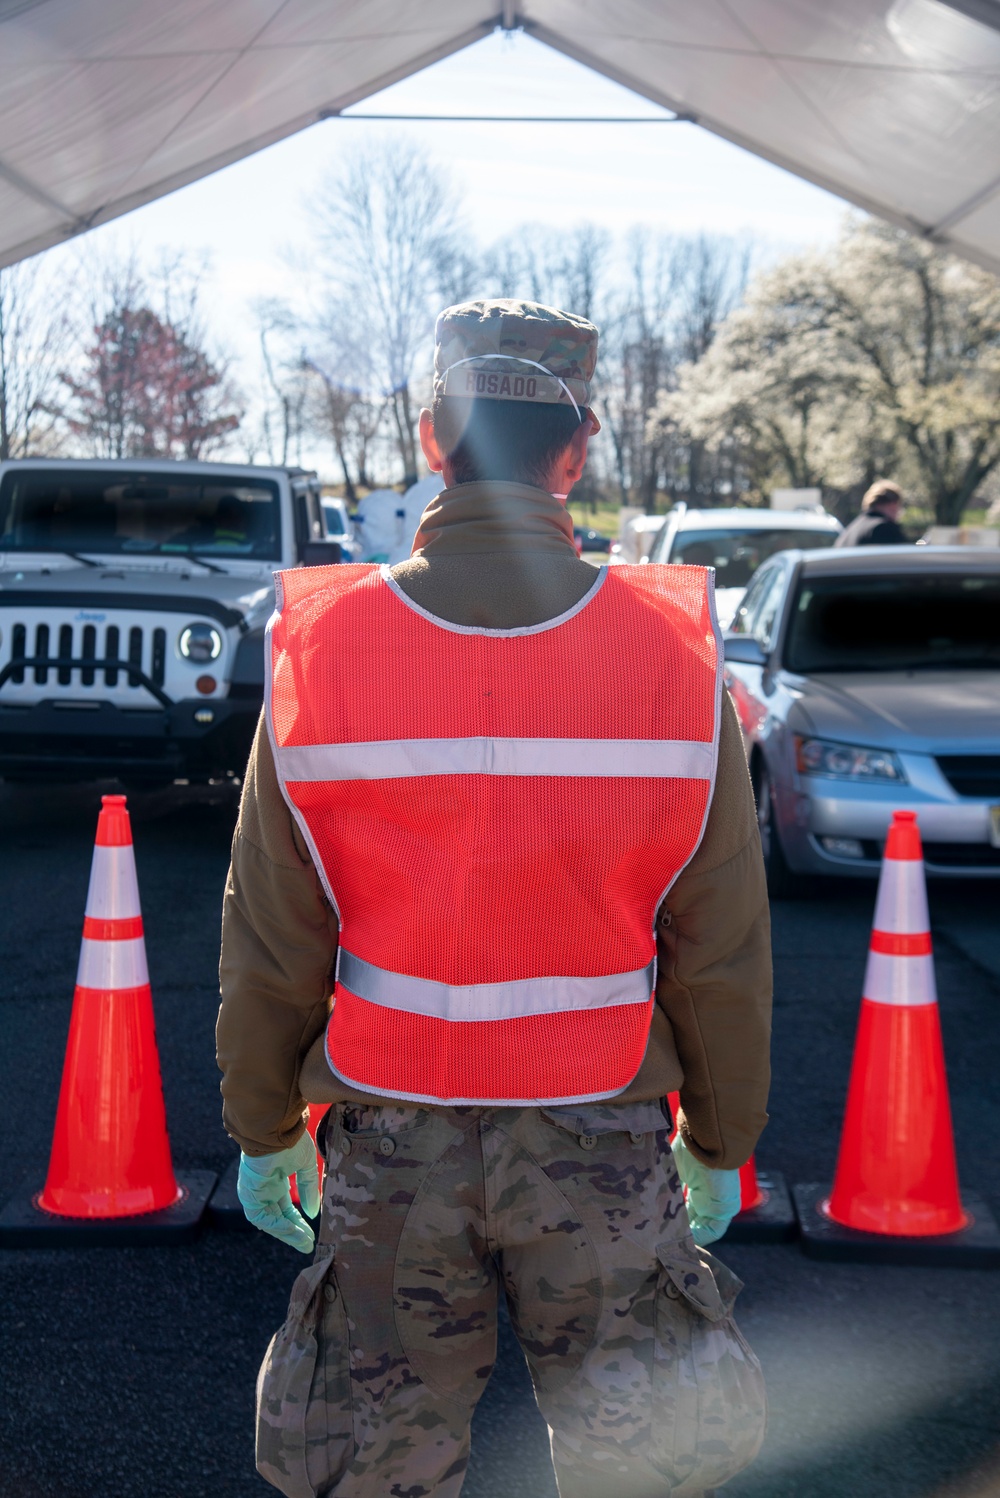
190,556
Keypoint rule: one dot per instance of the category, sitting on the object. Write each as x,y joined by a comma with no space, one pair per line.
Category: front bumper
69,740
955,830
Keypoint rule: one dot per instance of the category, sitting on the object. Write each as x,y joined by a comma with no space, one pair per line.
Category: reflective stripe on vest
603,758
496,817
490,1001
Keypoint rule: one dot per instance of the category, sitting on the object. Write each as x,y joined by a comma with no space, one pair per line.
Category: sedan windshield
736,554
901,623
172,514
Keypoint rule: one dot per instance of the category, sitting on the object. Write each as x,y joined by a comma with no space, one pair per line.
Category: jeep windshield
77,511
901,623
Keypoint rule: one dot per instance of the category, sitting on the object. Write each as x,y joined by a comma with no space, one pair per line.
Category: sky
677,177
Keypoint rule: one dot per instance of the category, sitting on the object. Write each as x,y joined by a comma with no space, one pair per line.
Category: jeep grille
146,650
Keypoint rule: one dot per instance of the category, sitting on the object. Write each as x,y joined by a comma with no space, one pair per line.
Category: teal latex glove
263,1190
713,1196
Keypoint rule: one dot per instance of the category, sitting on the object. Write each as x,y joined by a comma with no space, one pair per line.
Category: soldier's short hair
511,441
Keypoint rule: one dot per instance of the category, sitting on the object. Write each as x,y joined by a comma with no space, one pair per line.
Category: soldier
497,889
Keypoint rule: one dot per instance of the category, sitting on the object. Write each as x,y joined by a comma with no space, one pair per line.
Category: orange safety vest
496,816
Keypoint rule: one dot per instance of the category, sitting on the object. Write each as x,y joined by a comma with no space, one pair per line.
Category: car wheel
782,884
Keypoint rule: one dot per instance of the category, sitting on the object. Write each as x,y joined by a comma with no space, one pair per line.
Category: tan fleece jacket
499,556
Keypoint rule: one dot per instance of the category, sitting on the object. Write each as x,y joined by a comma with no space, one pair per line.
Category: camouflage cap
511,350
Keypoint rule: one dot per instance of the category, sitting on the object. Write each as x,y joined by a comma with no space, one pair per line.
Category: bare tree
713,274
638,358
285,382
389,232
558,267
347,409
35,333
675,294
561,268
506,270
348,420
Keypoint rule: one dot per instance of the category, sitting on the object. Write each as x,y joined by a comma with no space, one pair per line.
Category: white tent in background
419,495
893,104
387,520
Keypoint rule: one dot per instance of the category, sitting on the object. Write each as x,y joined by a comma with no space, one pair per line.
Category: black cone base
974,1247
25,1225
224,1210
773,1221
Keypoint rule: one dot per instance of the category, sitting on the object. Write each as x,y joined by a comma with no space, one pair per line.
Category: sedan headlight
846,761
200,643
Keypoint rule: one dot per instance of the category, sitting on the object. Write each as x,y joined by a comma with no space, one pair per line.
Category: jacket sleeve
714,982
279,944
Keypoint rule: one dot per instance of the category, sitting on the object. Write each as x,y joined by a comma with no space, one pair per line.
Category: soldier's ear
429,443
575,457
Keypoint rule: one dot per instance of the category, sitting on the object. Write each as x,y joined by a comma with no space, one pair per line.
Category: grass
603,519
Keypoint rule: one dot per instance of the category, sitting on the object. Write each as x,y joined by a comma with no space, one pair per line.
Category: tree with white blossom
880,354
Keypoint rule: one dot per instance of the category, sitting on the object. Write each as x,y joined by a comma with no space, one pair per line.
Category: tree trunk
950,503
696,451
949,506
350,493
407,440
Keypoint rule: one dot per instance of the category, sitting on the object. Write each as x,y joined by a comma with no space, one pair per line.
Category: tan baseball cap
501,349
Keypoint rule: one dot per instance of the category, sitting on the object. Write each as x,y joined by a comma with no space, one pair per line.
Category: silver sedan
868,680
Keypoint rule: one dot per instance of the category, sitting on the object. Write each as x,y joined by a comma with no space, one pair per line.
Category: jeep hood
248,601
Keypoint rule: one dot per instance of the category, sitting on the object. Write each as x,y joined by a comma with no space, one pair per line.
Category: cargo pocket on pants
305,1432
709,1404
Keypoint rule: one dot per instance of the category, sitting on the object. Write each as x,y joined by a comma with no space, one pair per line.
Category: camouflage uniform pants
576,1213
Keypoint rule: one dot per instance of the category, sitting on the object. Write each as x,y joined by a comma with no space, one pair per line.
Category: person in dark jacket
878,523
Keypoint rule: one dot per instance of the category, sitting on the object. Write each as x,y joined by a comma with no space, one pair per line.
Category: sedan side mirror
744,650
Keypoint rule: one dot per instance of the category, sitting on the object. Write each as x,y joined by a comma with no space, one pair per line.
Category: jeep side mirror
320,553
744,650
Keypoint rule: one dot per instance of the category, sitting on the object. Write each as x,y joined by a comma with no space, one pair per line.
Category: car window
766,616
313,515
658,550
736,552
335,515
946,622
753,600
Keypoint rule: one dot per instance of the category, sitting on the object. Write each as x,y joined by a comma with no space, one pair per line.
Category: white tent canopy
107,104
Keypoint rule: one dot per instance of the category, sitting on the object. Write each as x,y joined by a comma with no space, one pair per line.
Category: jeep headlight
846,761
200,643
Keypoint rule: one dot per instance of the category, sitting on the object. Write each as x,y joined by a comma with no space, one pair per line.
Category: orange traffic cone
110,1158
766,1213
896,1180
896,1172
751,1194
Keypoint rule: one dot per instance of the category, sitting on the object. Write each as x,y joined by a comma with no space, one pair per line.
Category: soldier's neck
496,556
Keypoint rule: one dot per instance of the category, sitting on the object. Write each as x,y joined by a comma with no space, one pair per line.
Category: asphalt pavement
129,1373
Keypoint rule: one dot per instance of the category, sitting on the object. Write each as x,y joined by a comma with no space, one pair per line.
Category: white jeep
133,600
